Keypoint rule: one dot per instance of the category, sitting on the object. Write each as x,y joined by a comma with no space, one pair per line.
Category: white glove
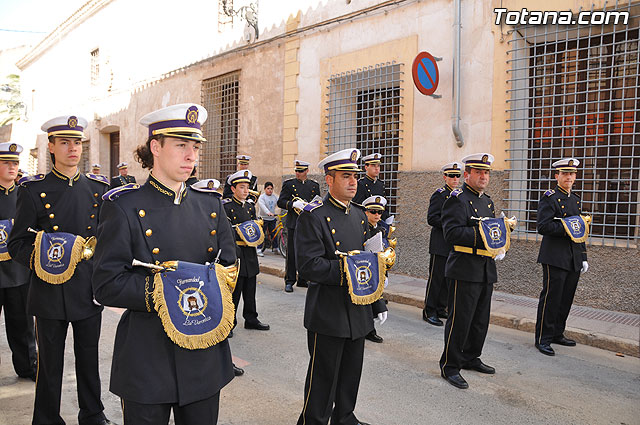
382,317
299,204
585,267
96,302
386,282
500,256
390,220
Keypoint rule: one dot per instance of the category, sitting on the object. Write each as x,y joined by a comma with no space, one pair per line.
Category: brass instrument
89,247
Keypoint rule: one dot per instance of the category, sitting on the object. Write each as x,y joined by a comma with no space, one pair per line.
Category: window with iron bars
574,93
220,98
95,66
364,110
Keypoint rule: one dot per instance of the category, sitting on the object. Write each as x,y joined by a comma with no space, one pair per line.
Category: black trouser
467,325
247,287
267,227
436,297
19,327
290,272
51,336
556,298
196,413
333,378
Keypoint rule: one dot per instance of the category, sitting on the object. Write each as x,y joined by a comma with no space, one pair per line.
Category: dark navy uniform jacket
153,224
437,244
320,232
117,181
239,212
368,187
557,248
55,203
294,188
12,273
460,229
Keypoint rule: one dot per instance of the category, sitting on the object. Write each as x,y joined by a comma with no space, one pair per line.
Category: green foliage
11,106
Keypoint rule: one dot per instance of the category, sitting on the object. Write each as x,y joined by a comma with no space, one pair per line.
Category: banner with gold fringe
194,304
365,273
496,235
56,256
577,227
5,231
251,232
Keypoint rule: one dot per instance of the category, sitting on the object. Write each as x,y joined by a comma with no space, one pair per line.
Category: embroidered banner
365,276
250,232
5,231
195,305
57,255
495,234
577,227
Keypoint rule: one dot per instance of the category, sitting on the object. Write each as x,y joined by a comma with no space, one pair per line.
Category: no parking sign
425,73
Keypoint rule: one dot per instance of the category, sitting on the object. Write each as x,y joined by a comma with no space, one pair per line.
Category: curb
593,339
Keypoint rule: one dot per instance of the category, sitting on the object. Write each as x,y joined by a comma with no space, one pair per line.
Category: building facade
338,74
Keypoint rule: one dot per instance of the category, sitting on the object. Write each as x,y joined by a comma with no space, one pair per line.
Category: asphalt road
400,385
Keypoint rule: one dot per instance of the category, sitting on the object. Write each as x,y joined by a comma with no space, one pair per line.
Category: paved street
401,384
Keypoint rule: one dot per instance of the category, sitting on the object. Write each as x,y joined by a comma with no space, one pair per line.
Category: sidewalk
609,330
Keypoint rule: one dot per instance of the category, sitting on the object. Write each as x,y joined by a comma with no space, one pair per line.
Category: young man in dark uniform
435,299
63,200
335,326
162,220
238,211
123,177
562,259
14,277
243,164
472,271
370,184
294,195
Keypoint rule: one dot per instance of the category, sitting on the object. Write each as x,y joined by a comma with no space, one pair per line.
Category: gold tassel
586,220
258,242
57,279
5,256
195,342
371,298
495,251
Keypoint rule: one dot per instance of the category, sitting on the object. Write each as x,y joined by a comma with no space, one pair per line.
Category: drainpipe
455,120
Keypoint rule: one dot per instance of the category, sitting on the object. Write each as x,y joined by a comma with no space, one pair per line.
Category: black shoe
237,371
302,284
456,380
288,287
374,337
545,349
443,315
256,325
482,368
561,340
31,376
433,320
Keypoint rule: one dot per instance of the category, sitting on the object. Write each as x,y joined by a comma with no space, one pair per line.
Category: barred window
574,93
95,67
220,98
364,110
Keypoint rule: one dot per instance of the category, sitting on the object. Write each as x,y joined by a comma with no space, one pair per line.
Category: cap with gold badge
242,176
481,161
375,202
10,151
344,160
452,169
374,158
568,165
183,121
122,165
70,126
300,165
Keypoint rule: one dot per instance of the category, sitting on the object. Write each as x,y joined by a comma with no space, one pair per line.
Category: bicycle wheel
282,243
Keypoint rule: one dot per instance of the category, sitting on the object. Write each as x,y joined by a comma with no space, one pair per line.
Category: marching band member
563,255
472,271
14,277
62,207
370,184
243,164
156,369
293,197
336,326
435,299
123,176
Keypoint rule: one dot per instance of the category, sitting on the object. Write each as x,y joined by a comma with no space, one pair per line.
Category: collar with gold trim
341,206
236,200
561,190
372,179
8,190
178,197
448,187
61,176
472,190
